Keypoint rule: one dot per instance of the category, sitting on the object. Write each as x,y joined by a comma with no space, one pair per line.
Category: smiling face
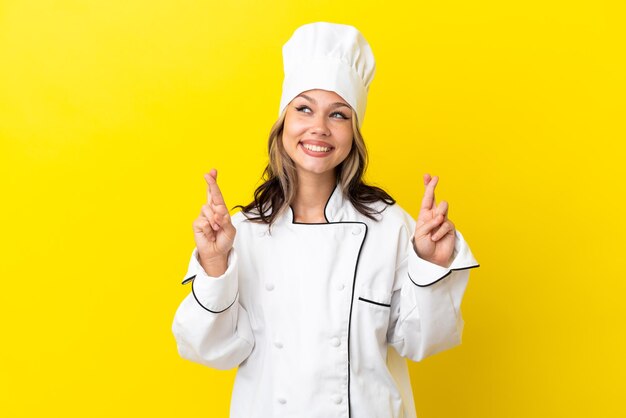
317,134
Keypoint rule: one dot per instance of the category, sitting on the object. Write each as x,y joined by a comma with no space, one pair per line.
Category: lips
316,142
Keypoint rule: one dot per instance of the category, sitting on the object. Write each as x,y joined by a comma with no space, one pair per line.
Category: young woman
321,287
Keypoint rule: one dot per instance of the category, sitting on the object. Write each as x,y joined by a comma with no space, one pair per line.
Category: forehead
321,96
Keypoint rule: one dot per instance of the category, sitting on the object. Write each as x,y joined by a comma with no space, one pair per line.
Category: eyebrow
312,100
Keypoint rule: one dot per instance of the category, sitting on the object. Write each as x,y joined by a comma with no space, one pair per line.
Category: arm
210,326
425,305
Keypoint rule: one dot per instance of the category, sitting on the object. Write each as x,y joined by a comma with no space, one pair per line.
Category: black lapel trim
353,288
351,304
204,307
375,303
442,277
327,201
355,270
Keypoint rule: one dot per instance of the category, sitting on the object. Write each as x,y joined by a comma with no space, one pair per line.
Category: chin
319,172
316,170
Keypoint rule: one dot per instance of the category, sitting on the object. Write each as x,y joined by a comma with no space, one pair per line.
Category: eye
303,109
341,115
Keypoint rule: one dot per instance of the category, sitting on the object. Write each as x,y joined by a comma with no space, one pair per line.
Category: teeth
316,148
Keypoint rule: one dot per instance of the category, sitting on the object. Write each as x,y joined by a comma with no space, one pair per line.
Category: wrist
214,266
445,264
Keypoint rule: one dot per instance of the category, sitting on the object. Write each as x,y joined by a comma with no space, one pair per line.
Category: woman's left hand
434,236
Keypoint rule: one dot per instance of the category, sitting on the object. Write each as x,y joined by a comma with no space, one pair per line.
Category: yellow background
111,111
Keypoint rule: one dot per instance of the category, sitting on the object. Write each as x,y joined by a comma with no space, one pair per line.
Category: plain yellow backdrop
111,111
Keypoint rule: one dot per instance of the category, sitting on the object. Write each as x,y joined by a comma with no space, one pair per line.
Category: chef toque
328,56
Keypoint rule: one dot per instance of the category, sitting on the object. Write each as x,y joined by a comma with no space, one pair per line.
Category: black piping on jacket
442,277
187,280
353,279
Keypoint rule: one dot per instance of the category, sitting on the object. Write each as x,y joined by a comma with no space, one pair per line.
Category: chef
322,287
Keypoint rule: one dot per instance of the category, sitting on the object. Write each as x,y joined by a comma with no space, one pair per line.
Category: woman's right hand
213,230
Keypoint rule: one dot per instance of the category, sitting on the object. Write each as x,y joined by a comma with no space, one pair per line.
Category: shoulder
238,218
393,223
388,238
248,221
390,214
395,212
242,218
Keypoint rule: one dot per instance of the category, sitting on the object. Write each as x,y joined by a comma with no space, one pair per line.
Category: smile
318,151
316,148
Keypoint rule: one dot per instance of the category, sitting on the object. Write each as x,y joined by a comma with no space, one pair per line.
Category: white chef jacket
318,318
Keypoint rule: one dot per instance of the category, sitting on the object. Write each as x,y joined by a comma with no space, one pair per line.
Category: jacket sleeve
210,326
425,305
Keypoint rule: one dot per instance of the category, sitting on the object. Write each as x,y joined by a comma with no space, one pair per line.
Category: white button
278,344
282,401
356,230
337,399
340,286
261,233
269,286
335,342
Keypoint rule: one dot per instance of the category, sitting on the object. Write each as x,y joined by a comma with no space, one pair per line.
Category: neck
311,197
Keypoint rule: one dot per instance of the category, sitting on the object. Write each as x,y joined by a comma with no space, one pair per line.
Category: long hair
280,179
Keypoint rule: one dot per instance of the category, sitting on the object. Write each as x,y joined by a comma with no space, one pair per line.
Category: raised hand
213,231
434,236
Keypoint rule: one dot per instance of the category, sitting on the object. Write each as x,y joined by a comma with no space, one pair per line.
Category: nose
320,125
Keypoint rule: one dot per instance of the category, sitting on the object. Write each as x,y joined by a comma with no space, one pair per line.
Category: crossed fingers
214,194
215,209
434,217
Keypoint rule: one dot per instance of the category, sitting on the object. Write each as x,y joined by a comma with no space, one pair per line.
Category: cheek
291,130
345,150
346,139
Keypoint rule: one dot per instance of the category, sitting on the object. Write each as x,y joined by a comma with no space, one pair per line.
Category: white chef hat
328,56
